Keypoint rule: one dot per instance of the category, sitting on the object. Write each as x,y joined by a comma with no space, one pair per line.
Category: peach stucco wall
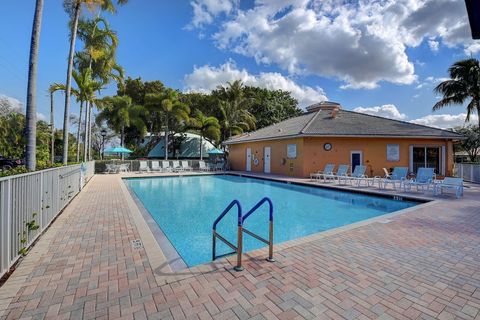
279,163
312,157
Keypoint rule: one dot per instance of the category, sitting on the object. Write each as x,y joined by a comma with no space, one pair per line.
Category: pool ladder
240,230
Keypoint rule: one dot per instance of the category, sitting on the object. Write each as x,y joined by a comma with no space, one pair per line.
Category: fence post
9,221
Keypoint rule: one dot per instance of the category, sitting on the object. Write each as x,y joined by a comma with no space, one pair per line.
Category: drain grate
137,244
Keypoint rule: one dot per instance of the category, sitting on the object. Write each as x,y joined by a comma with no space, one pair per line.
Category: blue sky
380,57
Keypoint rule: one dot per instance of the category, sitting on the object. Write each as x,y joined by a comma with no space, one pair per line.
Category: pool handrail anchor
240,230
236,249
269,242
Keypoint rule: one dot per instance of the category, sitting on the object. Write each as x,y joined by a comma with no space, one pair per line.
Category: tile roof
343,123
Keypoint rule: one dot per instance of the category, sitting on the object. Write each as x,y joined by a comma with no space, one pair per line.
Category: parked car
9,163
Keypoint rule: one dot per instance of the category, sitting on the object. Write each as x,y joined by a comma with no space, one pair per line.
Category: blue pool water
185,208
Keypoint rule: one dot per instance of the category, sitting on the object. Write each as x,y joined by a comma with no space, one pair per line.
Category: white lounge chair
398,175
342,171
328,170
156,166
202,166
144,167
219,166
176,166
449,184
357,175
424,178
185,166
110,168
166,166
124,167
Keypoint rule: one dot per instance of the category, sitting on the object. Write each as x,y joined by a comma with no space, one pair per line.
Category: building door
355,159
248,167
266,160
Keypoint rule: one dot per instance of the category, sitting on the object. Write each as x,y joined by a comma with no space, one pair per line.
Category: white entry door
249,160
266,159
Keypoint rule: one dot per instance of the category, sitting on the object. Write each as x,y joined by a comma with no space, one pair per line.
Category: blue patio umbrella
215,151
118,150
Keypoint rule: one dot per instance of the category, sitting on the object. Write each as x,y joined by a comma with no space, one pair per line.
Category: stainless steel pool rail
240,230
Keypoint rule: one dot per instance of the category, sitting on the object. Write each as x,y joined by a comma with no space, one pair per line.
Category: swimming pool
185,208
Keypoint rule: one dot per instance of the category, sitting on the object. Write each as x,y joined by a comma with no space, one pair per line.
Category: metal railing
238,249
30,202
468,171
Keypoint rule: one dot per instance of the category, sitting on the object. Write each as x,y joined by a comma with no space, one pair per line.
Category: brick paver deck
423,264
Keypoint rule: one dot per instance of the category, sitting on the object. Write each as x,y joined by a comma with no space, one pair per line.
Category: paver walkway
423,264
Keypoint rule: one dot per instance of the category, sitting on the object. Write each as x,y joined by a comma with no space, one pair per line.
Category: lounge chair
166,166
176,166
398,175
423,179
357,175
449,184
144,167
156,166
328,170
342,171
185,166
124,167
219,166
110,168
202,166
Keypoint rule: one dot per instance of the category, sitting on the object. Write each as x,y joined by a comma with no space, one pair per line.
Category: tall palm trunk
89,142
85,141
52,128
79,129
68,90
122,140
31,112
166,139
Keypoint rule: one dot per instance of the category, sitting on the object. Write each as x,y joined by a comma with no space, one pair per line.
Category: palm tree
464,85
168,106
31,113
234,107
119,113
51,90
207,127
73,8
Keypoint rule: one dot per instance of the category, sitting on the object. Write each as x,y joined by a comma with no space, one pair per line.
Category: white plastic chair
144,167
449,184
156,166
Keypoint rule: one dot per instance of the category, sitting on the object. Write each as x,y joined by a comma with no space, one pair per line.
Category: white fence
468,171
30,202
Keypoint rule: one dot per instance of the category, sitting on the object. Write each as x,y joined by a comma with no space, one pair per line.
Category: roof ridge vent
324,105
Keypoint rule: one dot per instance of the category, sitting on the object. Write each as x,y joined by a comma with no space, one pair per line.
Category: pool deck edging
163,271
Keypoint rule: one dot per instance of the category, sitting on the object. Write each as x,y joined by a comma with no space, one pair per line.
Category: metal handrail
237,249
240,220
270,219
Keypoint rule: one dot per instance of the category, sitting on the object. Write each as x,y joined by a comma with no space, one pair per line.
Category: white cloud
434,45
204,11
443,121
361,43
9,104
387,111
207,78
431,81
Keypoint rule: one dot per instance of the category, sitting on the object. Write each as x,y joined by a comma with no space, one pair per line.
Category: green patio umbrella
215,152
118,150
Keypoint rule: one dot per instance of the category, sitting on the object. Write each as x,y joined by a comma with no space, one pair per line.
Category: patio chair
176,166
166,166
219,166
202,166
124,167
328,170
110,168
423,179
398,175
144,167
156,166
342,171
185,166
449,183
357,175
